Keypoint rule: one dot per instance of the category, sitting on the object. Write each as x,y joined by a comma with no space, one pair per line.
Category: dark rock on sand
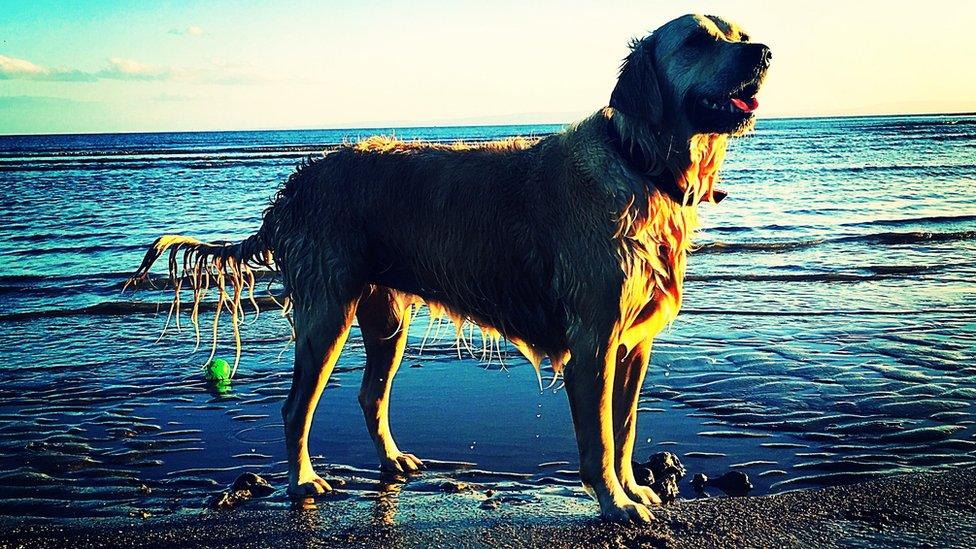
245,488
497,501
662,473
455,487
733,483
229,500
255,484
643,473
666,464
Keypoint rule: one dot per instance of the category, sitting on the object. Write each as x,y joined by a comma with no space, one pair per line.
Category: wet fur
559,245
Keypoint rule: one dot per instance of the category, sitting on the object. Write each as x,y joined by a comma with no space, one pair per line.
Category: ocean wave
94,248
121,308
839,312
61,157
73,155
875,272
885,239
925,220
267,303
113,164
935,220
102,283
858,169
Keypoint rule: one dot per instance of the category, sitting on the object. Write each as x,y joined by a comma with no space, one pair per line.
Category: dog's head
696,74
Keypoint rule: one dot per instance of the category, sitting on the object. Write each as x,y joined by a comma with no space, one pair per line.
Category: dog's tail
202,265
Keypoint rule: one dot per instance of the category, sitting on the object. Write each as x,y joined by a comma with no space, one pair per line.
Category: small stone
699,481
256,485
454,487
490,503
246,487
667,471
229,500
508,499
643,473
222,500
666,463
145,489
733,483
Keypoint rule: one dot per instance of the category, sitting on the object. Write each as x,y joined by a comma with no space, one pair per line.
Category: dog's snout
765,55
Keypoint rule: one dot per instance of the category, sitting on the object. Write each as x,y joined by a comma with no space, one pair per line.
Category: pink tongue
752,105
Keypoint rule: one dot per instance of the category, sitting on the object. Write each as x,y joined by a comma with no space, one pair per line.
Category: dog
571,247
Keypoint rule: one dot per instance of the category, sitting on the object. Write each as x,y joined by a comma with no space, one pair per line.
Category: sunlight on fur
654,243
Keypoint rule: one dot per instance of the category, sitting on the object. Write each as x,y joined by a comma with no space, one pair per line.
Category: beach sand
921,510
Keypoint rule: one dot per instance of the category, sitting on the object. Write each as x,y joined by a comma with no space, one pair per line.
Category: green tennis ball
218,370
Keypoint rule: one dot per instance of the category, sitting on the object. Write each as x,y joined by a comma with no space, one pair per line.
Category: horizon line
415,125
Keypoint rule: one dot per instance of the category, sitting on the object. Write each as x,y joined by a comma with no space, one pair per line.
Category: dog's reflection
306,513
387,500
384,509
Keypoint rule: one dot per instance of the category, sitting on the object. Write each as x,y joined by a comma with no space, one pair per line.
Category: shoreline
925,509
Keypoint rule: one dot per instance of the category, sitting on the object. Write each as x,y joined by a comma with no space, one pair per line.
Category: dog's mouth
741,101
732,112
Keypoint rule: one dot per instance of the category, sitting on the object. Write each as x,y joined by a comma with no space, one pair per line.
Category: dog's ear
637,92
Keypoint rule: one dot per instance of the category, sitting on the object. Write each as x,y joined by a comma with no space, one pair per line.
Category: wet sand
922,510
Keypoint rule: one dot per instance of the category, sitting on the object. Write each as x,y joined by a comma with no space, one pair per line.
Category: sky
112,66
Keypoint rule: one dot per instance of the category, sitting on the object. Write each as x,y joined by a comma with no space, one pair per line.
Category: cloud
12,68
118,68
192,30
127,69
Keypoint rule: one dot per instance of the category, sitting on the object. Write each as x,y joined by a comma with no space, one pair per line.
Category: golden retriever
571,247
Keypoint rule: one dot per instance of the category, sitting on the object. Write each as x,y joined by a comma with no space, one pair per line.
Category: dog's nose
765,56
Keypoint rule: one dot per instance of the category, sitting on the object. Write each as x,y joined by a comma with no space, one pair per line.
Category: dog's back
482,230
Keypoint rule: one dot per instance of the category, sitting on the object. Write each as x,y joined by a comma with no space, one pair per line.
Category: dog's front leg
589,384
628,379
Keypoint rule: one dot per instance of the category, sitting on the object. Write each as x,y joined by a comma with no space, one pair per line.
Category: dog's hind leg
321,328
627,381
589,385
384,317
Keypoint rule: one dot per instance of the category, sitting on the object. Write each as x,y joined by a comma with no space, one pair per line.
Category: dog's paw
313,486
627,513
642,494
401,463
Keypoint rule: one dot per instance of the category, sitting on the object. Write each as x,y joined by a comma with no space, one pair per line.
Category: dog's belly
530,325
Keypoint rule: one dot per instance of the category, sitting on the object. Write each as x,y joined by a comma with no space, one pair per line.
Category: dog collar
637,159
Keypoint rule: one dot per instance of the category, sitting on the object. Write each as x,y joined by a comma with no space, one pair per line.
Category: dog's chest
652,250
